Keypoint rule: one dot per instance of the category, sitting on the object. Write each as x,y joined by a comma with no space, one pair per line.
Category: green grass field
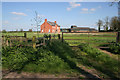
94,39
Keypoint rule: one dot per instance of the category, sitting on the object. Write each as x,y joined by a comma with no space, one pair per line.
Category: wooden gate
93,38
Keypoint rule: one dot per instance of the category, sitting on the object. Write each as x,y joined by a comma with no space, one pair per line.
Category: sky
20,15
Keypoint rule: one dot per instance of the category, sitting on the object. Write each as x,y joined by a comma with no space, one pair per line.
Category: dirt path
93,72
8,74
87,74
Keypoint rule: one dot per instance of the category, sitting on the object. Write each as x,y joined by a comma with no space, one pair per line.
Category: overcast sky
17,15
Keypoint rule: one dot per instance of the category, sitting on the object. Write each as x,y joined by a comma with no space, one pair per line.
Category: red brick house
50,27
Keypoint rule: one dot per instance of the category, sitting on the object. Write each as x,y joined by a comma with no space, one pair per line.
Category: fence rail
34,41
70,37
91,37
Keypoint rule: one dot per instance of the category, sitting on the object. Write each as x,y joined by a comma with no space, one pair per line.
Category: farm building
50,27
65,30
78,29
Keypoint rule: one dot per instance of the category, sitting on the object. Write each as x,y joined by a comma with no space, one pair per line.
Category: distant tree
115,24
99,23
106,25
21,30
16,30
4,31
30,30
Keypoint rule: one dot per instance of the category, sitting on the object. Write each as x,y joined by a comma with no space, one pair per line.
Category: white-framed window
49,30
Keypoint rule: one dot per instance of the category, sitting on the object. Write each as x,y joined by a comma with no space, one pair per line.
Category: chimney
45,20
55,21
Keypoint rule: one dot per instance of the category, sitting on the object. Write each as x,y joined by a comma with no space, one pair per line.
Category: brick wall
47,28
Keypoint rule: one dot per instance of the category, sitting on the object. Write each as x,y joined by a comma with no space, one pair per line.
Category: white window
42,30
49,30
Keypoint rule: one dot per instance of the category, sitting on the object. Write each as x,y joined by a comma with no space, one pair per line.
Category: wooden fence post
49,37
43,41
59,36
25,35
34,43
62,36
7,43
118,37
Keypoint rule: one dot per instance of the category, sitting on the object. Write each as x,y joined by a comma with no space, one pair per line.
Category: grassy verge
100,61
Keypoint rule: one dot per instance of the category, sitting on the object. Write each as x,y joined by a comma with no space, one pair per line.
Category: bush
4,31
33,60
113,47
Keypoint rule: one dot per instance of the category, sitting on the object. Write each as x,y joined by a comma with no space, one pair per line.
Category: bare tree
106,21
37,20
99,23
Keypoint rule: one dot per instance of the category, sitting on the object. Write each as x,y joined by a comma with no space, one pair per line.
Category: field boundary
89,35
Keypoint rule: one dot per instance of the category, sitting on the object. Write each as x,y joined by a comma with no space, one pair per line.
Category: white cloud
73,5
92,9
84,9
18,13
68,9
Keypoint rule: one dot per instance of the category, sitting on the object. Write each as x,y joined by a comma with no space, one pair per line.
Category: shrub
113,47
33,60
4,31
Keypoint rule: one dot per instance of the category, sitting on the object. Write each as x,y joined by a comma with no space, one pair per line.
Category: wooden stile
34,43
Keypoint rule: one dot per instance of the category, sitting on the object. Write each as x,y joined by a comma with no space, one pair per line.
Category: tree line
109,24
21,30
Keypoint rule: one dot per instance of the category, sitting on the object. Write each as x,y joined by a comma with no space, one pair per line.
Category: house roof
78,28
65,28
81,28
52,23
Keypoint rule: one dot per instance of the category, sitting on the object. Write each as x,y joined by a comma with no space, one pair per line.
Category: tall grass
99,60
